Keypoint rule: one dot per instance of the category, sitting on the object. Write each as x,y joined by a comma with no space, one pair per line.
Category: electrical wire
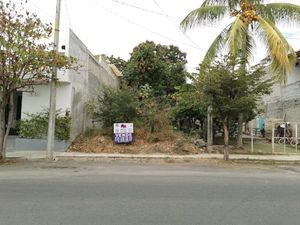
143,9
141,26
155,12
42,10
185,34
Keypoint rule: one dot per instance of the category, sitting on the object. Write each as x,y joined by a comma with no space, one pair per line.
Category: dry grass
164,142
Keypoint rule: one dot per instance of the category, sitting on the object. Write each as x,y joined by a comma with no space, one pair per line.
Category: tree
188,108
118,62
229,90
162,67
114,106
252,17
25,58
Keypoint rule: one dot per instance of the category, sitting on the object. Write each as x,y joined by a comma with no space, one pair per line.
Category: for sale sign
123,133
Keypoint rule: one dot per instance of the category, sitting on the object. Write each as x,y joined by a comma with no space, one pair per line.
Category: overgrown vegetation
230,89
151,76
151,98
189,112
114,106
36,126
129,104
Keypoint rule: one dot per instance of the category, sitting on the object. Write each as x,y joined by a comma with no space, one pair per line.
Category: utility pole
52,105
209,129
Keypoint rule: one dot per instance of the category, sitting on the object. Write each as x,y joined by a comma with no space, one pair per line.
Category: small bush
36,126
114,106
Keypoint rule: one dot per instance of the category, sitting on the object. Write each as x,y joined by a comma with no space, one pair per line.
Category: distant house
74,87
283,104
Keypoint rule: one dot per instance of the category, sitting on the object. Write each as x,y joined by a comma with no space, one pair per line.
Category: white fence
281,137
285,137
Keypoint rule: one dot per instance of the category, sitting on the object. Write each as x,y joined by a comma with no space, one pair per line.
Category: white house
74,87
283,104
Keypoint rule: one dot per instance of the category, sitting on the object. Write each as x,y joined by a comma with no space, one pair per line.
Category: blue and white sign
123,133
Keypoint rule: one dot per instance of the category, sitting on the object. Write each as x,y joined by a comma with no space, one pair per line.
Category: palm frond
284,12
203,15
231,4
217,45
237,37
264,12
281,53
249,45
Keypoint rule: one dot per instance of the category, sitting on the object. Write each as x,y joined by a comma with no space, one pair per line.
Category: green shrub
114,106
127,105
36,126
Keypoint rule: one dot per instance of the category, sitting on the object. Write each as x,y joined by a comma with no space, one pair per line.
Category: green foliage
118,62
188,103
25,56
154,115
36,126
114,106
189,107
230,88
129,105
162,67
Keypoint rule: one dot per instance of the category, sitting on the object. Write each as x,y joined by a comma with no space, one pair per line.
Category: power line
155,12
43,11
141,26
143,9
188,37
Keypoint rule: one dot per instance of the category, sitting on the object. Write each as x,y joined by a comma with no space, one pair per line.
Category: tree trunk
9,121
209,129
239,138
226,138
2,131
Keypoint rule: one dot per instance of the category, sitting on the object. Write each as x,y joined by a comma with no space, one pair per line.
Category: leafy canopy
231,89
25,56
162,67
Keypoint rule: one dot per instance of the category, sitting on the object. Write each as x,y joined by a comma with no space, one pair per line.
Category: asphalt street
126,193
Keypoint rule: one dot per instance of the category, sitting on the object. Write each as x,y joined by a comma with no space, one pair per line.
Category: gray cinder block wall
94,73
283,104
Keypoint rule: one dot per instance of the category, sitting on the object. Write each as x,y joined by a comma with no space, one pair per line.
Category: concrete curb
79,155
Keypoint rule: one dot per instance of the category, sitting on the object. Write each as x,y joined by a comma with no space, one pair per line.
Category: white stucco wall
38,100
74,88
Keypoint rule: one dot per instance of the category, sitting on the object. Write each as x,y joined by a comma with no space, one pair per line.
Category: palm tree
250,18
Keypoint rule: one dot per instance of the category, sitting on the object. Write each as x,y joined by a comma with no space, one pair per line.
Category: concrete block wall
284,101
91,77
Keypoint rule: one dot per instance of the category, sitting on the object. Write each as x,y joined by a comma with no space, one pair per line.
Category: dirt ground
145,143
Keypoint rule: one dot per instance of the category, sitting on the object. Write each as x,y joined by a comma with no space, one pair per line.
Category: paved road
112,193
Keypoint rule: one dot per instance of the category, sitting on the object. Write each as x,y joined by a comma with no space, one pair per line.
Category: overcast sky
117,26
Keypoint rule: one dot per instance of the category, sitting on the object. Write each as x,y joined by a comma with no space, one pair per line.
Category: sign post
123,133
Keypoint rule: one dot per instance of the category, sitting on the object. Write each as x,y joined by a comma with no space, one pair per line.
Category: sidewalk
79,155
